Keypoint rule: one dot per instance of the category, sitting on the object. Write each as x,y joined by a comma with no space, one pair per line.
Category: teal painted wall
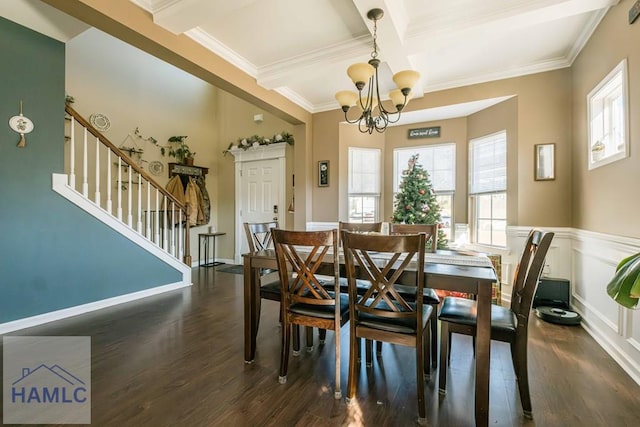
53,255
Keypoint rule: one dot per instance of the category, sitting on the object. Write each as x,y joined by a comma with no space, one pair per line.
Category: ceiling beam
391,32
180,16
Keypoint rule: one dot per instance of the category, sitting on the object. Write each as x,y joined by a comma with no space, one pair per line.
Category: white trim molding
588,260
52,316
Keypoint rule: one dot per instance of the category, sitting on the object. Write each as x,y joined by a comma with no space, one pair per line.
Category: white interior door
260,189
260,195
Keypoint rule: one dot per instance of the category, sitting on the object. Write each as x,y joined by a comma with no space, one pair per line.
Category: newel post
187,240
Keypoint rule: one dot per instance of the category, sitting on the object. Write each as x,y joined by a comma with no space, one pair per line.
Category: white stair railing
166,228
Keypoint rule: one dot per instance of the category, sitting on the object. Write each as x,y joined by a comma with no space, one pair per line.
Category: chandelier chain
374,54
368,99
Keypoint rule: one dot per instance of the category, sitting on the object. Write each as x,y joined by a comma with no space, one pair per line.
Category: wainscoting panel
588,260
592,272
558,261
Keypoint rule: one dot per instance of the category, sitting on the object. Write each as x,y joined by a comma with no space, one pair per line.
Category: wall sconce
258,118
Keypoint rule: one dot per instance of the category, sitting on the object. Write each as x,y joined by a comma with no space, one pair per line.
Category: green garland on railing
246,143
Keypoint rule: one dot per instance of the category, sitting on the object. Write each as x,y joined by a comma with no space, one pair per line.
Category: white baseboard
40,319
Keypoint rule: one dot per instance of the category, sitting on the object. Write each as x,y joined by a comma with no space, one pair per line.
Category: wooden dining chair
459,315
259,238
306,298
382,313
430,296
360,227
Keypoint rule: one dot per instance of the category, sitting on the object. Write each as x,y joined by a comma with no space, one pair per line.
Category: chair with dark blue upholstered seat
459,315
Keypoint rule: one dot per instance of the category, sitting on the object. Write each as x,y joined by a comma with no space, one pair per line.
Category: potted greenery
180,150
624,287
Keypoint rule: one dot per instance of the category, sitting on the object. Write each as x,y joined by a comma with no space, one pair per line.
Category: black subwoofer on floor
551,302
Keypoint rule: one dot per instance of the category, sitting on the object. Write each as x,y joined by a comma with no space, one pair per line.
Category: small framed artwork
545,162
323,173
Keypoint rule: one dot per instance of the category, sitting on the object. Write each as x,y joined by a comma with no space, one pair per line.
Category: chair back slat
382,298
360,227
430,231
528,272
259,235
299,255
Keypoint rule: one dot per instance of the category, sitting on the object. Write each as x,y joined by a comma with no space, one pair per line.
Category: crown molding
273,75
586,34
540,67
222,50
296,98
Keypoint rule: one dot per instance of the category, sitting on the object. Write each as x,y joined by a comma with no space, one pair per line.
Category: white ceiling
302,48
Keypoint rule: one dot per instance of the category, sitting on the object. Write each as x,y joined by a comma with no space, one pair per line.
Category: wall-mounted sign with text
431,132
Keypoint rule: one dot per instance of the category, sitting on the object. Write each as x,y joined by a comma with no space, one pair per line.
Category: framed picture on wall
545,162
323,173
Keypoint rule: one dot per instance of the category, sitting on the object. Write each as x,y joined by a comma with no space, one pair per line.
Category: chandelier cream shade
374,116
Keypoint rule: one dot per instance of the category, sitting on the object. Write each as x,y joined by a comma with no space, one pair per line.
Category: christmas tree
415,201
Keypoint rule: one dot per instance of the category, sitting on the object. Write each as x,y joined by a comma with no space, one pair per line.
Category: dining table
446,270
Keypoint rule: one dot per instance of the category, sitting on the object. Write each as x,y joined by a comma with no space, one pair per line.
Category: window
607,118
364,184
488,189
440,161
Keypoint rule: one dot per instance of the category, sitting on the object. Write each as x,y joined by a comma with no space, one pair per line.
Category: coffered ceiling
301,48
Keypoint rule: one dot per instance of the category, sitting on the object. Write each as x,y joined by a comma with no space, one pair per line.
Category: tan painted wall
125,21
605,199
541,114
135,89
326,143
236,121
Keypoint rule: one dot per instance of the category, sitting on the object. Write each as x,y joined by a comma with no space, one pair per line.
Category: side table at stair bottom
206,239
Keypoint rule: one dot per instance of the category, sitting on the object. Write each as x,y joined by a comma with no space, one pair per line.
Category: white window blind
364,170
439,160
488,164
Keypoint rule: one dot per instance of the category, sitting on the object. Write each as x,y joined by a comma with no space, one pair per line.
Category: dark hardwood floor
177,360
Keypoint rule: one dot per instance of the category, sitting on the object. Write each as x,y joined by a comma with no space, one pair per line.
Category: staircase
107,183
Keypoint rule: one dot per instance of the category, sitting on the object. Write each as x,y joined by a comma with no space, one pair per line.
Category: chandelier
374,115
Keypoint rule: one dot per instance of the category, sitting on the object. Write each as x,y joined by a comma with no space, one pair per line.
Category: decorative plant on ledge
256,141
624,288
180,150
